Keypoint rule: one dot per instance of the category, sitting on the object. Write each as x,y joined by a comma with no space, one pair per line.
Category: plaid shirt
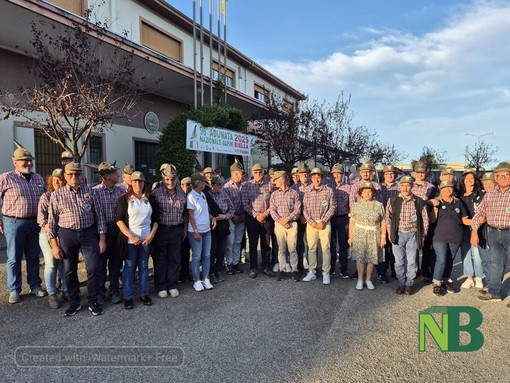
285,204
234,193
108,201
301,189
408,217
224,203
172,208
388,191
124,187
425,191
75,210
20,198
319,204
495,206
42,209
355,197
256,197
341,194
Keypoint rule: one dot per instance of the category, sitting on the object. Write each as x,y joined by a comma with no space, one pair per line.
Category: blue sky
420,73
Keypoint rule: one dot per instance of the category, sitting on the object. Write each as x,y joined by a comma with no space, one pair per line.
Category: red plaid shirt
108,200
256,197
224,203
172,208
285,204
425,191
42,209
20,198
234,193
319,204
495,206
341,194
355,197
408,217
75,210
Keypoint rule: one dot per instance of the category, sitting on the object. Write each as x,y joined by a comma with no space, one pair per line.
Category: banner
216,140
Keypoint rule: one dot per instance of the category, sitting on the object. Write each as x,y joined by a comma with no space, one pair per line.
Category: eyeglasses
502,176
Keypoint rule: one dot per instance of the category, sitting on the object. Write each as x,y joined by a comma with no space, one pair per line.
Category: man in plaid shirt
255,196
318,209
367,173
301,186
20,190
285,209
75,219
495,209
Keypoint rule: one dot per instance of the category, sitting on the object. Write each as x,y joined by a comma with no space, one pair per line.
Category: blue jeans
22,237
471,261
485,255
445,253
200,251
499,242
136,256
405,258
51,266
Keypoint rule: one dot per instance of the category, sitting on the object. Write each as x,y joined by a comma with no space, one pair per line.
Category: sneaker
213,279
174,293
269,273
383,278
39,292
359,285
53,301
437,290
326,280
207,284
163,294
198,286
253,274
370,285
288,269
14,297
95,308
400,289
128,304
489,298
296,277
344,275
230,270
408,290
237,269
72,310
276,267
478,283
116,297
282,276
468,283
309,277
146,300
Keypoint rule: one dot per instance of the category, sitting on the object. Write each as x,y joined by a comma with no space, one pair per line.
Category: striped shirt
388,191
75,210
341,194
408,217
319,204
285,204
256,197
172,207
425,191
234,193
42,209
20,198
354,195
224,203
495,206
108,200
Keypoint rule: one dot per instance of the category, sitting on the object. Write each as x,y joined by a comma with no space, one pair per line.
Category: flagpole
219,41
194,54
210,53
201,54
225,46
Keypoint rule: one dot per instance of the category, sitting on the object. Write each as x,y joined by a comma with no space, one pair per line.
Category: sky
420,73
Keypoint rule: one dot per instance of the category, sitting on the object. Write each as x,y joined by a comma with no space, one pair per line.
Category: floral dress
367,231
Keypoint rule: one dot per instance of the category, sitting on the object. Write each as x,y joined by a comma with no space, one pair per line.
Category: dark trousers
110,260
300,245
185,254
428,258
340,233
389,259
255,231
167,256
71,241
218,244
274,248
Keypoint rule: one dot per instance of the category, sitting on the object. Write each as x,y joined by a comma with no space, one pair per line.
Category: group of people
195,228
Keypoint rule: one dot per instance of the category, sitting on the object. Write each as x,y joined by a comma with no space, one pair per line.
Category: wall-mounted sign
151,122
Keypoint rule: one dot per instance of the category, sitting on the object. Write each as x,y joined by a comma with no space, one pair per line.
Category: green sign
447,335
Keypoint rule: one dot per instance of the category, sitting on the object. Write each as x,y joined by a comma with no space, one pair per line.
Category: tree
432,158
82,85
480,155
172,141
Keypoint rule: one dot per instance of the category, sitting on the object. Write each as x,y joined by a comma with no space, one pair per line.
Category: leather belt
500,228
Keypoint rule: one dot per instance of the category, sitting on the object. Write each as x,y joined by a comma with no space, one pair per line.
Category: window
47,154
288,106
95,155
158,40
75,6
145,160
229,74
261,93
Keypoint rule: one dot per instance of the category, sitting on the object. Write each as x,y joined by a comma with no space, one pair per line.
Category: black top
449,221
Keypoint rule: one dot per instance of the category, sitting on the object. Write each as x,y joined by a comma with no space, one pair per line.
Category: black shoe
146,300
73,309
237,269
128,304
296,277
383,278
448,287
344,275
437,290
95,308
282,276
354,275
230,270
213,279
253,274
268,272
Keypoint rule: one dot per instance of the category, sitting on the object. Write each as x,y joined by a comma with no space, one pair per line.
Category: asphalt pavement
256,330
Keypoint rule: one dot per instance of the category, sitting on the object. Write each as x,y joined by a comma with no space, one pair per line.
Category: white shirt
139,213
198,203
